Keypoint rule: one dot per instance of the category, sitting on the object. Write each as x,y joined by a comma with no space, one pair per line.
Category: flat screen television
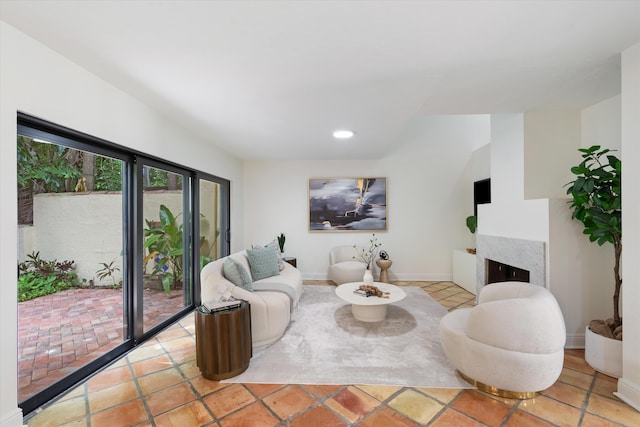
481,193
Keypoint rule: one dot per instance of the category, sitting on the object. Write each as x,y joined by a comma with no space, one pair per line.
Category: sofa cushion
274,244
263,262
236,273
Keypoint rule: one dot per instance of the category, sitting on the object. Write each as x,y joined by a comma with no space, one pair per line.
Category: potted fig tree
596,202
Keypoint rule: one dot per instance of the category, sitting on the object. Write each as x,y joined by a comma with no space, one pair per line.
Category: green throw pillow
263,262
275,245
236,273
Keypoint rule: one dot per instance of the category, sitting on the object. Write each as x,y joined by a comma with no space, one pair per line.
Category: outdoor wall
38,81
430,193
62,222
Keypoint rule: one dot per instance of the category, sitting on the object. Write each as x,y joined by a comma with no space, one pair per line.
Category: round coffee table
369,309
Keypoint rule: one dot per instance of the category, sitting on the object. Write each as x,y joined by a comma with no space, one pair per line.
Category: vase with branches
367,255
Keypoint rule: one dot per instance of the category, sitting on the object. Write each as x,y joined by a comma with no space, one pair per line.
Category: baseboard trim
629,393
575,341
393,277
12,419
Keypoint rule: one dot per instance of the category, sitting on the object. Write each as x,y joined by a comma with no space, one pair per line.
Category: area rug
324,344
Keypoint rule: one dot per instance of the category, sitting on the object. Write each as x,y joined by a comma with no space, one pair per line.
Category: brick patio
61,332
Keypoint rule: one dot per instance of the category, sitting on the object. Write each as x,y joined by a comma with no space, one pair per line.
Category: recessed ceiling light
343,134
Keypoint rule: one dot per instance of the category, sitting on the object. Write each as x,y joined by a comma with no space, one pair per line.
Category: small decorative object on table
366,256
368,276
384,263
371,291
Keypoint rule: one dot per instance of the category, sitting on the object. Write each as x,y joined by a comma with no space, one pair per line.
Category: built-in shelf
464,270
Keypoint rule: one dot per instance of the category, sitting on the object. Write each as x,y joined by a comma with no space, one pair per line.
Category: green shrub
38,277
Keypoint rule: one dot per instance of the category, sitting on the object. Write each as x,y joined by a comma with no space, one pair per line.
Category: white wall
629,384
508,214
601,124
38,81
507,158
575,268
580,273
429,196
551,142
481,163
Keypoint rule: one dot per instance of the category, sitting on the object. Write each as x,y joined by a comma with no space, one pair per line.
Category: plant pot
152,282
603,354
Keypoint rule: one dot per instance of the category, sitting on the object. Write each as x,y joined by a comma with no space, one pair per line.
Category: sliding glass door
71,291
167,285
213,215
108,255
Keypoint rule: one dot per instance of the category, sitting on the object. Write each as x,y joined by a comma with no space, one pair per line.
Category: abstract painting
347,204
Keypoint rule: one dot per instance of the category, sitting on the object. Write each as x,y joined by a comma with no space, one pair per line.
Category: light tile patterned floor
159,384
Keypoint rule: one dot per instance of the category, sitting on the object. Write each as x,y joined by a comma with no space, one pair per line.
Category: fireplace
499,272
522,254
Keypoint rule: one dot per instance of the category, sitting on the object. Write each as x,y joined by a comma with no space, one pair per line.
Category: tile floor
158,384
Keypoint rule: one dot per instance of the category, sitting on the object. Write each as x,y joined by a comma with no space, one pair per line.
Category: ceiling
273,79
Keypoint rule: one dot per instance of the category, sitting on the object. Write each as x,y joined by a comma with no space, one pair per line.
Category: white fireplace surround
526,254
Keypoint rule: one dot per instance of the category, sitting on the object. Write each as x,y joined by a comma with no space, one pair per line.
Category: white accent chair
343,267
511,343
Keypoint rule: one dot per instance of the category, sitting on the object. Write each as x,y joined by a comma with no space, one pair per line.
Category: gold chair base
498,392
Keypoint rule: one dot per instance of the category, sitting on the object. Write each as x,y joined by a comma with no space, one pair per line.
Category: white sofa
272,301
511,343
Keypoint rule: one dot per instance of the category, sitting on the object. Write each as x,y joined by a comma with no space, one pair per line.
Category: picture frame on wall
348,204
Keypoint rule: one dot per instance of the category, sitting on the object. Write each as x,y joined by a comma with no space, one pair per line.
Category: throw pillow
236,273
263,262
274,244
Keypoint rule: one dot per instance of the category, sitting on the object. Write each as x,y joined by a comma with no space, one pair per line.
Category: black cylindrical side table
223,341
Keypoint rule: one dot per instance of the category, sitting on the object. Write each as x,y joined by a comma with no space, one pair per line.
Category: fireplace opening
499,272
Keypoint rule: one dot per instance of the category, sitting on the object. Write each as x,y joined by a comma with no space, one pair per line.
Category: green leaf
472,223
151,240
595,194
166,217
579,170
589,150
167,280
588,185
175,252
